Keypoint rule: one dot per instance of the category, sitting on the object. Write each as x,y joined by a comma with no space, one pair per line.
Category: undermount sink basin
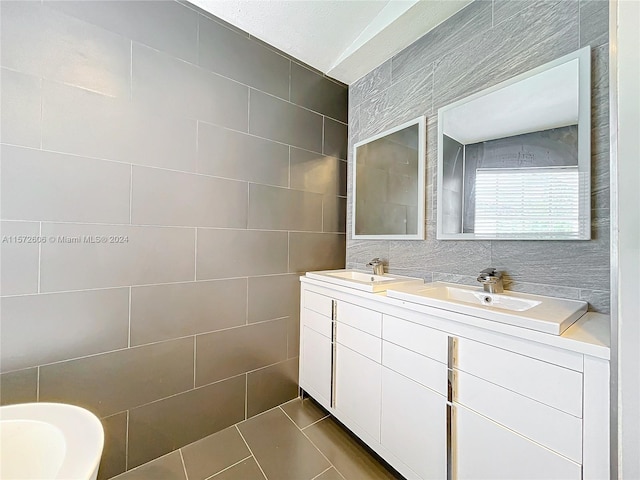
536,312
363,280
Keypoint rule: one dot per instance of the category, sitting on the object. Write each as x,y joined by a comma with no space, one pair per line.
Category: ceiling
345,39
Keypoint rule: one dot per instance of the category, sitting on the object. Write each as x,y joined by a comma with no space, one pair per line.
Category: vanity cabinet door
315,365
483,449
357,395
414,425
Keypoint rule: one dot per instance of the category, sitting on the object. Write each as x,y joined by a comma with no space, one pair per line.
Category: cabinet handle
334,310
451,475
334,351
451,396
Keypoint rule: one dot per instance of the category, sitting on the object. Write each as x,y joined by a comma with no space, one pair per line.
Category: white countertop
589,335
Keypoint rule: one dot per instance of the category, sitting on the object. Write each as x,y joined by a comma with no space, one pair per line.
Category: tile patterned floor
296,441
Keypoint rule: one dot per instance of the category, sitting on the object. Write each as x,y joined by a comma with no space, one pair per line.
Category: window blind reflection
527,200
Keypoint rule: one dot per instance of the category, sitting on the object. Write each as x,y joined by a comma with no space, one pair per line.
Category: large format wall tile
334,210
335,138
318,93
234,351
441,40
275,208
497,54
137,256
231,154
162,197
85,123
165,83
42,42
114,454
20,118
594,22
162,312
168,424
271,386
315,251
39,329
166,26
116,381
32,182
318,173
238,57
273,296
19,253
272,118
372,83
240,253
20,386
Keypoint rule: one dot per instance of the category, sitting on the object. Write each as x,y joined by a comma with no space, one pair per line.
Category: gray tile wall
487,42
216,164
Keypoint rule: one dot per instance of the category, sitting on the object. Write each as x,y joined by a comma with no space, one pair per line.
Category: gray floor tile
168,467
331,474
247,470
347,455
281,449
303,412
214,453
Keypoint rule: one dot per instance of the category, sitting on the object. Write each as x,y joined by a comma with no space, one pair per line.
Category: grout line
246,395
316,447
126,445
246,313
317,421
195,346
157,167
39,255
129,332
250,451
290,79
38,385
230,466
40,88
197,146
195,256
184,467
131,195
322,472
248,107
288,251
289,171
131,70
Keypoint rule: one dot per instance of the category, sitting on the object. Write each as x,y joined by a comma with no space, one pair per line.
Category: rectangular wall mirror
388,184
514,160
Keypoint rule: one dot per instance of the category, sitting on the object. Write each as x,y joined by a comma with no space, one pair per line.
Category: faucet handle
489,271
375,261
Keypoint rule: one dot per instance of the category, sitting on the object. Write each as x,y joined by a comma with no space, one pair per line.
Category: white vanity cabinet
316,346
439,398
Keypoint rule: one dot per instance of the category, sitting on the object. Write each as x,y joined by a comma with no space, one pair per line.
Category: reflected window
527,200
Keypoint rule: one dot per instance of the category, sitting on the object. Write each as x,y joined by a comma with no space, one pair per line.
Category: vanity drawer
359,341
359,317
318,303
316,322
423,340
550,384
418,368
545,425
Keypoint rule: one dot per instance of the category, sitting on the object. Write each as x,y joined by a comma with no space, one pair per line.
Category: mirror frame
584,147
419,235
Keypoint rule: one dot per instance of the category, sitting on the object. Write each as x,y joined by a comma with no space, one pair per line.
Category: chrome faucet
491,280
377,265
